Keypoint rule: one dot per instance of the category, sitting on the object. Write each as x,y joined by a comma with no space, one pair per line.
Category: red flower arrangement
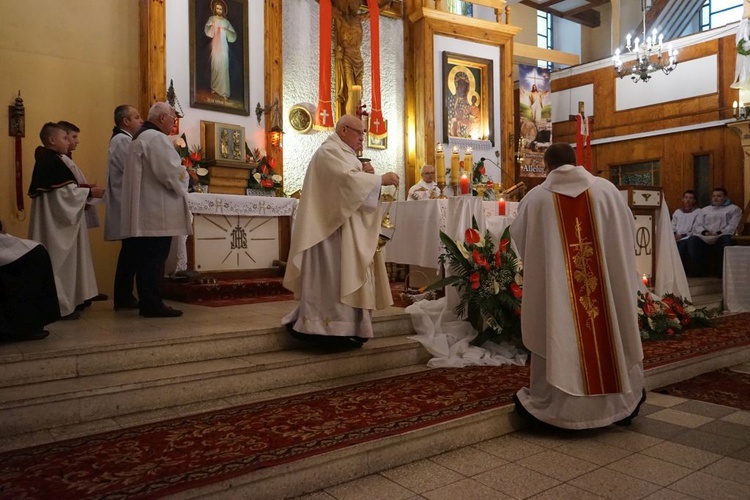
264,175
192,160
489,282
664,318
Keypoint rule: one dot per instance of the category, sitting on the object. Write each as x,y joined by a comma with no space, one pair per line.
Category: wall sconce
276,132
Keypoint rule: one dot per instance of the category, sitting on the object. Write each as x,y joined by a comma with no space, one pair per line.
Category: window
544,35
636,174
461,8
715,13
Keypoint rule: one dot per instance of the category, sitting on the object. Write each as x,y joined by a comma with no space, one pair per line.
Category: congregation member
683,224
154,206
57,221
426,188
714,230
28,298
334,269
579,319
127,122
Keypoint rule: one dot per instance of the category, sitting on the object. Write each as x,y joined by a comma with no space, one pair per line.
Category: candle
354,99
734,108
455,167
645,280
464,183
501,207
469,159
440,164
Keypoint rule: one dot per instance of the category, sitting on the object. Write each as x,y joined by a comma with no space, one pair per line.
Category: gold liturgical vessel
386,223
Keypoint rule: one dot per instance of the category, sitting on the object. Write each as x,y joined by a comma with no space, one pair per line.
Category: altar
236,233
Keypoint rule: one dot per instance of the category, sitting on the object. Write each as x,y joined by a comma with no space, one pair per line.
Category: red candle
501,207
645,280
464,184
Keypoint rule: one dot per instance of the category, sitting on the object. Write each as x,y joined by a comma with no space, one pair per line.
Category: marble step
704,286
710,301
230,341
45,405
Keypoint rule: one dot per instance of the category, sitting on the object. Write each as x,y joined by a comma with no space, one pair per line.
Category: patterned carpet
722,387
159,459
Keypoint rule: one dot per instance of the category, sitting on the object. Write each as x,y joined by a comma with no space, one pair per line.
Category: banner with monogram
535,125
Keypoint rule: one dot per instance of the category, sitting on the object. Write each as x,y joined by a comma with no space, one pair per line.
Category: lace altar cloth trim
230,204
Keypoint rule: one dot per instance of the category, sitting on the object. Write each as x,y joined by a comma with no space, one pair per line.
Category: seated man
28,298
713,228
683,221
426,189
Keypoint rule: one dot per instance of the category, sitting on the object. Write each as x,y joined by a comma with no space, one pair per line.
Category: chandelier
649,55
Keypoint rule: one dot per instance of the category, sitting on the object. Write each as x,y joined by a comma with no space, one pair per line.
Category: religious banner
378,127
324,113
535,119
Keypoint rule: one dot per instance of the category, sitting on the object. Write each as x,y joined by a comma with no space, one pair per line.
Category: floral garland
660,319
489,283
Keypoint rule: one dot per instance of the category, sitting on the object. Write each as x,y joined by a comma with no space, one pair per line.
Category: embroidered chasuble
593,327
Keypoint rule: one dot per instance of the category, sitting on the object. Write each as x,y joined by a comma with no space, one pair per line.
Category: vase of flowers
489,282
264,175
666,318
193,161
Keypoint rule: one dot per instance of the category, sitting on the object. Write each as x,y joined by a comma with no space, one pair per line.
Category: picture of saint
218,55
464,119
467,97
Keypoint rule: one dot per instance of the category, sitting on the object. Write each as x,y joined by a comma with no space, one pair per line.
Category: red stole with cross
589,301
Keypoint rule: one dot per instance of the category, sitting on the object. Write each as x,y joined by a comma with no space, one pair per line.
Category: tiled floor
676,449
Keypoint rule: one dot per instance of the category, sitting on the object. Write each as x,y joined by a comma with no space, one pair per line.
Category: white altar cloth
736,279
231,204
416,237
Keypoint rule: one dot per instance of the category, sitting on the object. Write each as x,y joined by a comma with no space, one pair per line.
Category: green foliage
668,317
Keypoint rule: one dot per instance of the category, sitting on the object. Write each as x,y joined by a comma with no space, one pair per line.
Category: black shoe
38,335
164,312
127,306
629,419
74,315
99,298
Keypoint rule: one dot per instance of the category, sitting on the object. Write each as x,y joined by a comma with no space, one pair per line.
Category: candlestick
501,207
440,164
455,167
464,183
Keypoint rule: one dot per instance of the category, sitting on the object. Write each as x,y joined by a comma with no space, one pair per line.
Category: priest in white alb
425,189
334,268
579,317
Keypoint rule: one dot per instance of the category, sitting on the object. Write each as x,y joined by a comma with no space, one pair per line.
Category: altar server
127,122
425,189
154,206
334,269
57,221
579,317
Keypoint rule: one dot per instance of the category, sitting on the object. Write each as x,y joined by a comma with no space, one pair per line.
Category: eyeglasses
360,133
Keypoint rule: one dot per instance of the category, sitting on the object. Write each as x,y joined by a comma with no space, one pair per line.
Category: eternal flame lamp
648,53
276,133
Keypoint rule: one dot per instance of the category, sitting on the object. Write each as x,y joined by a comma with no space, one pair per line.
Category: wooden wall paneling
506,137
152,50
273,81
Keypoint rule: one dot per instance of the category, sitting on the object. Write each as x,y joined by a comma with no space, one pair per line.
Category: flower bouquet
489,283
263,176
668,317
192,160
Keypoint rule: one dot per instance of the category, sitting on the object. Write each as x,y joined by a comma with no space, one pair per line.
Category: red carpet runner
154,460
722,387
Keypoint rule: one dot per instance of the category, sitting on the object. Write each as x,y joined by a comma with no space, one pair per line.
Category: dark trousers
28,297
708,259
125,273
151,253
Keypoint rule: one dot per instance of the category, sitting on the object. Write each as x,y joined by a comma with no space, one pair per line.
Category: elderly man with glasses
334,268
154,206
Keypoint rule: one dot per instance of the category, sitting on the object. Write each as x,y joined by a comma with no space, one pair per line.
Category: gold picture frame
219,74
376,143
467,98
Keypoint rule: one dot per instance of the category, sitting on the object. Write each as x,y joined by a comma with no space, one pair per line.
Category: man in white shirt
425,189
154,206
127,122
683,222
713,231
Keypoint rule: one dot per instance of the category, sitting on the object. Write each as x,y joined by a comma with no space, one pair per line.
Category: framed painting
219,73
375,143
467,98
